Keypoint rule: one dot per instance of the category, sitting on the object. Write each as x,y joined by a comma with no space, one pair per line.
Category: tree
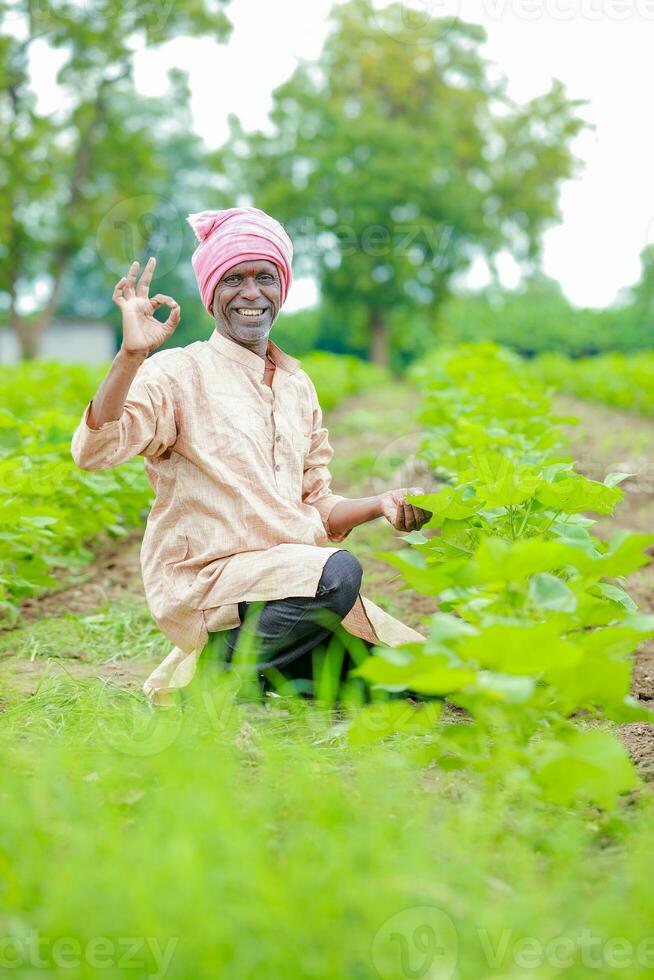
78,177
395,160
153,223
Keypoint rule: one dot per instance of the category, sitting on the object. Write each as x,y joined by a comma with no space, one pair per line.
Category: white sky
602,50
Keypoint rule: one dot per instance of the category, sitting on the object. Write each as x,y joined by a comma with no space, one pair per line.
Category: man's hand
403,516
142,333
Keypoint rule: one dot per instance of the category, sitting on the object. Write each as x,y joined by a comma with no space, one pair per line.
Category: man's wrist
131,357
378,510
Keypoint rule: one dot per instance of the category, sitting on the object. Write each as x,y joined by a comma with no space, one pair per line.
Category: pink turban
229,237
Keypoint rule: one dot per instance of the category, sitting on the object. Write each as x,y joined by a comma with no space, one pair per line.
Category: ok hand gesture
142,333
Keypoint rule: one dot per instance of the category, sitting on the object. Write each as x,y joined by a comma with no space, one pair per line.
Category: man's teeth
250,312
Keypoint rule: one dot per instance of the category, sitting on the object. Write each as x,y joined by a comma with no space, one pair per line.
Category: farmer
235,450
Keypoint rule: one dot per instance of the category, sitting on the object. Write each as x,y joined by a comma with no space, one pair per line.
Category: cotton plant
535,630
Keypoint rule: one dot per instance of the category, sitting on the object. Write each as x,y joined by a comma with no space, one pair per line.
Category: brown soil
114,574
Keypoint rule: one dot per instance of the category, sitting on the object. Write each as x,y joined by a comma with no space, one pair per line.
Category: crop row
535,631
615,379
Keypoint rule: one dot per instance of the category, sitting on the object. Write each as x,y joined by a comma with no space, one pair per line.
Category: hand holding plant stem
402,515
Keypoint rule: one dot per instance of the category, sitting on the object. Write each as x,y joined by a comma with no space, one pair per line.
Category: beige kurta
240,473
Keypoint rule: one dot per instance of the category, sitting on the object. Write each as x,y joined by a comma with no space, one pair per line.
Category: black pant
283,634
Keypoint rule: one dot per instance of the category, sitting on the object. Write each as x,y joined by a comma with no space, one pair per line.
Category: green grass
117,631
254,840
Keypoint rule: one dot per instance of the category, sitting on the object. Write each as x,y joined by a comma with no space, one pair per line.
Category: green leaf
448,504
425,675
415,538
630,710
589,766
615,640
446,629
40,521
428,580
613,479
501,561
643,623
593,681
528,648
549,592
576,494
616,594
626,554
507,688
575,535
501,483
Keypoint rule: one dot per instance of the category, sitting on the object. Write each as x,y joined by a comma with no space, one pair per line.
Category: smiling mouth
251,314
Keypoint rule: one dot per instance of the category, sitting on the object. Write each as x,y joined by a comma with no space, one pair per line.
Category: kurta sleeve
147,426
317,477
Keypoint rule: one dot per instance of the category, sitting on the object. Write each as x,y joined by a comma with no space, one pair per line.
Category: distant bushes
50,508
538,319
336,376
626,382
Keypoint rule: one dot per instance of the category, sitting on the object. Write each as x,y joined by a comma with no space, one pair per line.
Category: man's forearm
109,400
347,514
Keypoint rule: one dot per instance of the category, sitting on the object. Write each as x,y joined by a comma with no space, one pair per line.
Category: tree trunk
29,332
379,346
28,337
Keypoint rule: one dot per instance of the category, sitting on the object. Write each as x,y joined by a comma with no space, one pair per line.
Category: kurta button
277,466
278,438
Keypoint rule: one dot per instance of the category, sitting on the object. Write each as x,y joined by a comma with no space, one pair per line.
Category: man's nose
250,289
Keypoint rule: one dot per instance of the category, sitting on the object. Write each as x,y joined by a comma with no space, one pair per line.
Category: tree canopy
76,180
398,158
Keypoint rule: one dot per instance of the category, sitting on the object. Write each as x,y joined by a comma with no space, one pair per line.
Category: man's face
247,300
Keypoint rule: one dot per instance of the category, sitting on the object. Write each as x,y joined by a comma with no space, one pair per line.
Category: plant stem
524,523
546,529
